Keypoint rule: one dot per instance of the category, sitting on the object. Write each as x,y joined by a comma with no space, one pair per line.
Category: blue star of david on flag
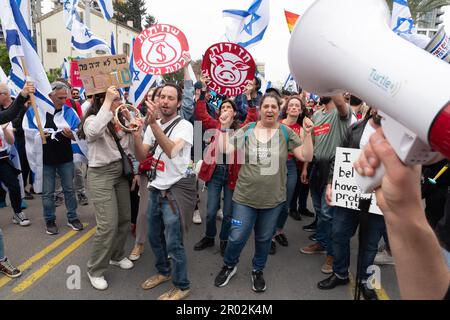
247,27
401,21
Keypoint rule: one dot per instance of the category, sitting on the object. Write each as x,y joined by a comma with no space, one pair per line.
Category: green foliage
4,58
150,21
52,76
133,10
176,77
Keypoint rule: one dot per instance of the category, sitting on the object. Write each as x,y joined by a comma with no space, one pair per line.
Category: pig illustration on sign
227,72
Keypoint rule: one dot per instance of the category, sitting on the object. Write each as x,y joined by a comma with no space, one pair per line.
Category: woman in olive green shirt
261,186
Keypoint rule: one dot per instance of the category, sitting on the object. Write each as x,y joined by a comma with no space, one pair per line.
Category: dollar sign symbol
160,49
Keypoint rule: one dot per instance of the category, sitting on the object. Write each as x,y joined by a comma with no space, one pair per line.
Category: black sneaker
305,212
75,225
313,237
51,227
259,284
332,282
224,276
273,247
223,246
368,294
310,227
204,243
282,239
28,196
82,199
8,269
295,215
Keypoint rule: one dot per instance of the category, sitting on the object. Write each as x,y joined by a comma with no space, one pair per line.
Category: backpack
253,124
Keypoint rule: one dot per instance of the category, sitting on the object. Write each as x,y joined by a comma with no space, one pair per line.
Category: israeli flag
68,118
5,79
112,46
290,84
69,12
65,69
107,8
21,46
401,21
85,41
141,82
25,10
247,27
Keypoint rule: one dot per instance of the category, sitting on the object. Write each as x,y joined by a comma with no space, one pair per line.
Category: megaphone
354,50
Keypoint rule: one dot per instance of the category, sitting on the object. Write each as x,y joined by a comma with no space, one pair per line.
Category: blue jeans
291,182
324,215
2,247
66,172
245,219
218,181
345,223
164,234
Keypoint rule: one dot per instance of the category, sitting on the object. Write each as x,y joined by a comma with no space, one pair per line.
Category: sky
203,24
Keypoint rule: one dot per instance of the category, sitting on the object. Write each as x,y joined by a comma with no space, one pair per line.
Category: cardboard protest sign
346,192
159,49
75,79
230,68
99,73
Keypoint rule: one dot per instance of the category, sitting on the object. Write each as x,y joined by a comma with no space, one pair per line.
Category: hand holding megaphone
360,53
400,183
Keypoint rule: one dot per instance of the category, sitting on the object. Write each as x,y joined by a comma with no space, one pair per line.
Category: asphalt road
54,267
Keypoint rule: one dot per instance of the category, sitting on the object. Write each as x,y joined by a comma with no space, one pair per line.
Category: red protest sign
75,79
230,68
159,49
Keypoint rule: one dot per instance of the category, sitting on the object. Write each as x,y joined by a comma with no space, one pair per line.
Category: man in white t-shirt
171,159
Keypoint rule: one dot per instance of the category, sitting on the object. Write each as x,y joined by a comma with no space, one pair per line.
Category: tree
54,75
150,21
133,10
4,59
419,7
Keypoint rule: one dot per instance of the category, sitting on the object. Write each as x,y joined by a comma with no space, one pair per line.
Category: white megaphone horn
347,45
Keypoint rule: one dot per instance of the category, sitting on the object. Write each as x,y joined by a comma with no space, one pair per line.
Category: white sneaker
98,283
21,218
383,258
219,214
197,219
125,263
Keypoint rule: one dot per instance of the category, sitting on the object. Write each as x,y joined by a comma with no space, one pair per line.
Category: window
126,49
51,45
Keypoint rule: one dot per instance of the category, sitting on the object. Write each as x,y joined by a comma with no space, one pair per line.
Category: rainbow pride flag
291,19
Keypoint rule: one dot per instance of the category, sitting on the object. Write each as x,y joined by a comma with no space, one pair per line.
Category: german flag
291,19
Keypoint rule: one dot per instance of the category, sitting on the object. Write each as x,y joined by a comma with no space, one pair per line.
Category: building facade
53,39
430,22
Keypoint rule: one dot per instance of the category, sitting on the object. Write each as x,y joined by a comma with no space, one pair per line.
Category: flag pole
33,104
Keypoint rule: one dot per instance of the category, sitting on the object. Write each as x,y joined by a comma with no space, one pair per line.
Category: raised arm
95,126
18,105
305,152
341,106
203,115
252,113
187,104
421,270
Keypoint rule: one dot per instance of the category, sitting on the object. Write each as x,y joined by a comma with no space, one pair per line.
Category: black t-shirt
59,150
